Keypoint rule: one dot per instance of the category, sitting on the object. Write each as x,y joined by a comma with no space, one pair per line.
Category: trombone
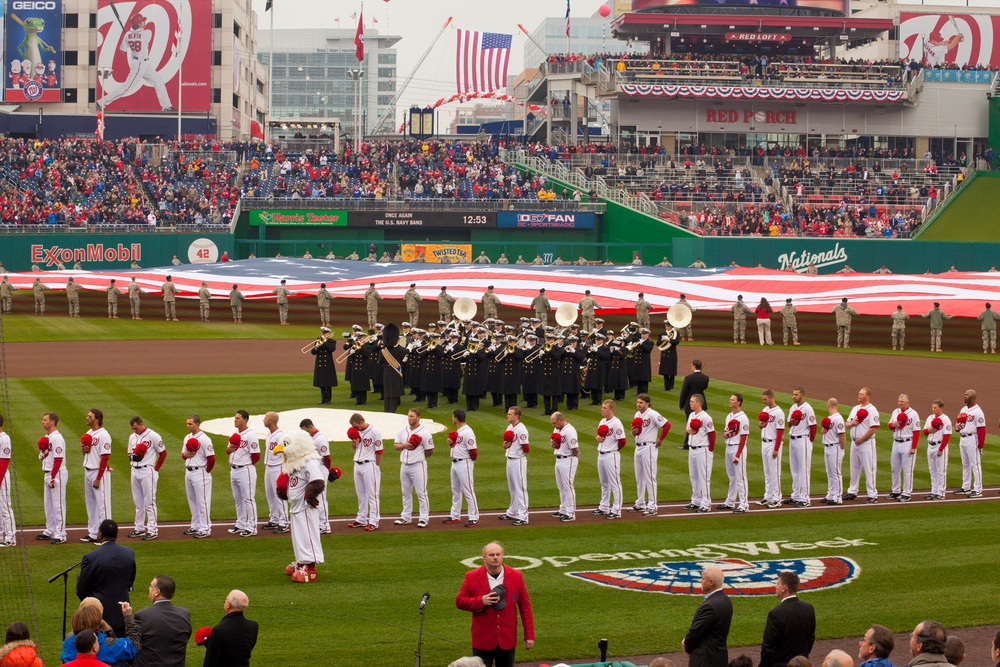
471,348
537,352
352,348
507,350
312,345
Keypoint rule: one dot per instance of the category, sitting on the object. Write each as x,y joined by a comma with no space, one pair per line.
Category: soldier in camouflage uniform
73,298
372,297
204,301
445,304
937,318
170,300
39,291
490,303
236,303
642,311
133,298
113,294
412,301
844,313
323,299
788,323
7,295
988,319
899,328
740,311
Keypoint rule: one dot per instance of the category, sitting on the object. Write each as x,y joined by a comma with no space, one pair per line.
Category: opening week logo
678,571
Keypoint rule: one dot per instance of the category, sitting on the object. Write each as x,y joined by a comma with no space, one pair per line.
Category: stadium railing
422,203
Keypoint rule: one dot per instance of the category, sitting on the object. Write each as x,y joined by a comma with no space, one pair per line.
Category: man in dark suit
695,383
705,642
233,639
108,574
495,593
791,626
165,629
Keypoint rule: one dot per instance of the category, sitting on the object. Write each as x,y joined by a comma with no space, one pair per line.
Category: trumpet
312,345
471,348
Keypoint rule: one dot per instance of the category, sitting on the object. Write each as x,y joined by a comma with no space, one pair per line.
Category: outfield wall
110,251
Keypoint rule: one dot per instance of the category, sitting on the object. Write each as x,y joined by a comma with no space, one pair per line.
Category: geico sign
33,5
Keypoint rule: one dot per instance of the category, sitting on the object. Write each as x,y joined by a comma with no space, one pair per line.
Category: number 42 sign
203,251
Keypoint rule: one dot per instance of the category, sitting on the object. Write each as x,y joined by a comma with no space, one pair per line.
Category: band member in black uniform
550,376
600,328
509,370
493,369
598,355
452,368
474,383
363,365
642,365
669,340
415,375
391,352
617,381
530,366
432,378
324,372
569,372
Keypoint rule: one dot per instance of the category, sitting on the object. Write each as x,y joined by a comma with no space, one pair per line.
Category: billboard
33,39
425,219
553,220
148,49
950,39
298,217
438,253
840,6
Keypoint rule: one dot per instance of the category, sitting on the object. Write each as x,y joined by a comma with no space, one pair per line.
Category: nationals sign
743,577
141,47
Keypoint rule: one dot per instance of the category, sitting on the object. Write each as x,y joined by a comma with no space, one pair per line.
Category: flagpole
358,109
270,78
568,51
180,82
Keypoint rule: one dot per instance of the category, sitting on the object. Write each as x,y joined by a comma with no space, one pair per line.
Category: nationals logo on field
743,577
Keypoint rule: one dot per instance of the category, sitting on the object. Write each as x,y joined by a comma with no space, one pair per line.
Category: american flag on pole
567,18
481,61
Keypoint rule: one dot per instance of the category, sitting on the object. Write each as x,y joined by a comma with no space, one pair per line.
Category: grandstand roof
648,27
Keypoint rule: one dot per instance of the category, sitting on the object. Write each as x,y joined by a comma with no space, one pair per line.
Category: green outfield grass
165,402
971,215
363,609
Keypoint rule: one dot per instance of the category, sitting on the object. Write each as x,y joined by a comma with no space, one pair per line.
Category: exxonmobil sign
779,37
92,252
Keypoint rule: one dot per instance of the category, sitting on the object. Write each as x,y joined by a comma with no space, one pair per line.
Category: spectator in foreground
231,642
927,643
954,650
87,646
876,646
165,628
18,650
113,650
838,658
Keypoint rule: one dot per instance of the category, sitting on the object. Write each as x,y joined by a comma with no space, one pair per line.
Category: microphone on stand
423,600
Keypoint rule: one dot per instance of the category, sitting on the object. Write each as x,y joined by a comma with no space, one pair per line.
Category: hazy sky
417,22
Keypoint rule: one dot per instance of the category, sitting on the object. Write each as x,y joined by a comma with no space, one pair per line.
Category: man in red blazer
494,611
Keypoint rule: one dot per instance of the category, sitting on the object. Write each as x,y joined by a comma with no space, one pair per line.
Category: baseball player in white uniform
301,482
971,427
938,429
8,530
323,449
905,426
566,448
462,442
516,446
415,446
736,434
701,444
801,434
862,424
136,43
649,428
244,452
199,459
147,453
366,441
834,439
96,446
771,421
52,452
277,519
610,441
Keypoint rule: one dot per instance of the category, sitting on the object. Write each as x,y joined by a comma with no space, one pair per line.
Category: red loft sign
758,37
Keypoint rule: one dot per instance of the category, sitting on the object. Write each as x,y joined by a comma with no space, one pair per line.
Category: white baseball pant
463,484
972,466
938,466
198,484
55,504
306,543
517,485
834,458
609,473
646,459
144,497
565,478
700,472
8,530
98,501
736,497
413,478
902,463
798,464
243,480
367,476
277,508
772,472
863,458
140,71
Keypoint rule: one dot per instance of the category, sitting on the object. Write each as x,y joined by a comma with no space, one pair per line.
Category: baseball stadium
710,211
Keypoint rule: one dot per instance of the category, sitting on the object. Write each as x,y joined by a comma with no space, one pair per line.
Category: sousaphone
679,315
465,309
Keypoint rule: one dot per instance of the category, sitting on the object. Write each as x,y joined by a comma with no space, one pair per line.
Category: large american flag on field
614,287
481,61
